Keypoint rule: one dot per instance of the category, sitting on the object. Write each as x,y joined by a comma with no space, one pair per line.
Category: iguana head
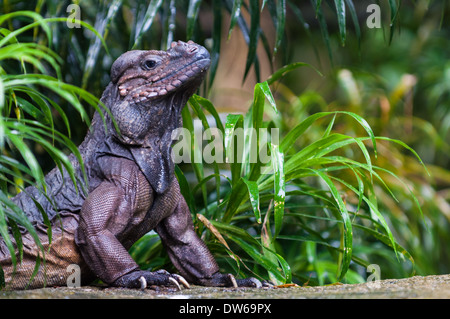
149,89
147,92
142,76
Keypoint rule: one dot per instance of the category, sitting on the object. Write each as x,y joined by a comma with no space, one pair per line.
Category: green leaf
2,278
347,232
298,130
374,210
194,102
264,87
29,158
193,9
235,13
43,101
171,24
340,9
233,152
102,23
354,15
257,109
324,29
261,92
37,266
394,15
316,149
13,212
269,251
253,192
279,187
15,230
185,188
35,16
317,4
387,241
5,237
403,144
211,109
217,38
254,36
280,25
196,164
298,14
46,221
42,22
147,21
304,238
255,253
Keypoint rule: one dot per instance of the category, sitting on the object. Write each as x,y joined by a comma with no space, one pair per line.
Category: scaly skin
130,188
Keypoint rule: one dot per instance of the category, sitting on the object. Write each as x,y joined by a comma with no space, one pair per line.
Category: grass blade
388,242
253,192
196,107
347,232
147,21
103,20
217,37
254,36
374,209
233,151
193,9
353,14
5,237
279,187
211,109
394,15
35,16
235,13
288,68
281,21
185,188
196,164
29,158
340,9
323,29
298,130
255,253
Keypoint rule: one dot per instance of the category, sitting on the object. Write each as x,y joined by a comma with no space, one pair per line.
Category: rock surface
436,287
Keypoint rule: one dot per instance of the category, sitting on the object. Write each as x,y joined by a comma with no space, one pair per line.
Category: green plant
29,101
250,212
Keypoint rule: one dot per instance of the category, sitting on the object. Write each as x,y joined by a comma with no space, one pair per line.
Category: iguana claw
175,282
182,281
143,282
175,279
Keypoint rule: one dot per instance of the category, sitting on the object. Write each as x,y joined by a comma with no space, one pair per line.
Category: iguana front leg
189,253
110,216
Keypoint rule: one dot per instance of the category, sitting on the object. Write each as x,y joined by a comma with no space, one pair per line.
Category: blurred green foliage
401,88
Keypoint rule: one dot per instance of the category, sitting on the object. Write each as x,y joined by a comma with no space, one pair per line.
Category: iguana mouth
177,79
143,89
167,85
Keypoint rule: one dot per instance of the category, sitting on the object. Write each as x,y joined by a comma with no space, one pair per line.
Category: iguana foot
143,279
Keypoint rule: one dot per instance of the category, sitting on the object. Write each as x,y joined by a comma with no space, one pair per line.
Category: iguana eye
149,64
